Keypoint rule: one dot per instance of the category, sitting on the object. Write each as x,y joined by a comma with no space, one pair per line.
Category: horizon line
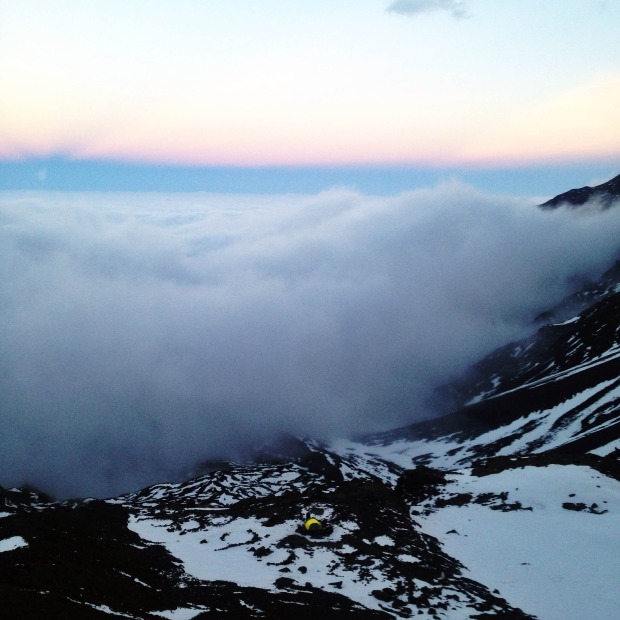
58,173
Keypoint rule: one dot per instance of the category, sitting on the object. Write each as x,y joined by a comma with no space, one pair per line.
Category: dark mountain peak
606,193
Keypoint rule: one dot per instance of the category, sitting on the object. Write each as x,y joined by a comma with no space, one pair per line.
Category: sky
145,332
349,92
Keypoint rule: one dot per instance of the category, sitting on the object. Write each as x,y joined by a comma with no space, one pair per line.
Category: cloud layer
144,333
458,8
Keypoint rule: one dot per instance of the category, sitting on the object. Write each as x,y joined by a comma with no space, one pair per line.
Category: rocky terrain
604,194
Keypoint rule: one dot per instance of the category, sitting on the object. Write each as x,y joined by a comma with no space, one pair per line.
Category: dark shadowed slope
606,194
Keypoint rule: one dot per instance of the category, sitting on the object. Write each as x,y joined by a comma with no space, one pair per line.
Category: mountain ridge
605,194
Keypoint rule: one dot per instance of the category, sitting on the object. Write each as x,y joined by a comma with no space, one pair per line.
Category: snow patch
551,561
10,544
178,614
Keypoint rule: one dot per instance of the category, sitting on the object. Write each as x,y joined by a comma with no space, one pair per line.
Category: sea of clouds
142,333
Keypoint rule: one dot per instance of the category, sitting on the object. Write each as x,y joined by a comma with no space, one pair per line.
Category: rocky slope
604,194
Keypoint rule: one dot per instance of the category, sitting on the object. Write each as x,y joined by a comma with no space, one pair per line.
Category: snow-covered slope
509,507
545,537
507,536
373,554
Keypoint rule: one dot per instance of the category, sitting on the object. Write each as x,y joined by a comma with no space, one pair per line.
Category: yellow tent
312,522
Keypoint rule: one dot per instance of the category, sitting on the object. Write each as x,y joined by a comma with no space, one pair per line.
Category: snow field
555,563
207,557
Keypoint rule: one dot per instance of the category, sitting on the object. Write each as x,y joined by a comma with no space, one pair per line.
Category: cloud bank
143,333
458,8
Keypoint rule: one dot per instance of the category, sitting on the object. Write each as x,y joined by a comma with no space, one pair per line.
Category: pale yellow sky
327,82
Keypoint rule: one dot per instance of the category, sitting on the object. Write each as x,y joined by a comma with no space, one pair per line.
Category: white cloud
143,333
458,8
